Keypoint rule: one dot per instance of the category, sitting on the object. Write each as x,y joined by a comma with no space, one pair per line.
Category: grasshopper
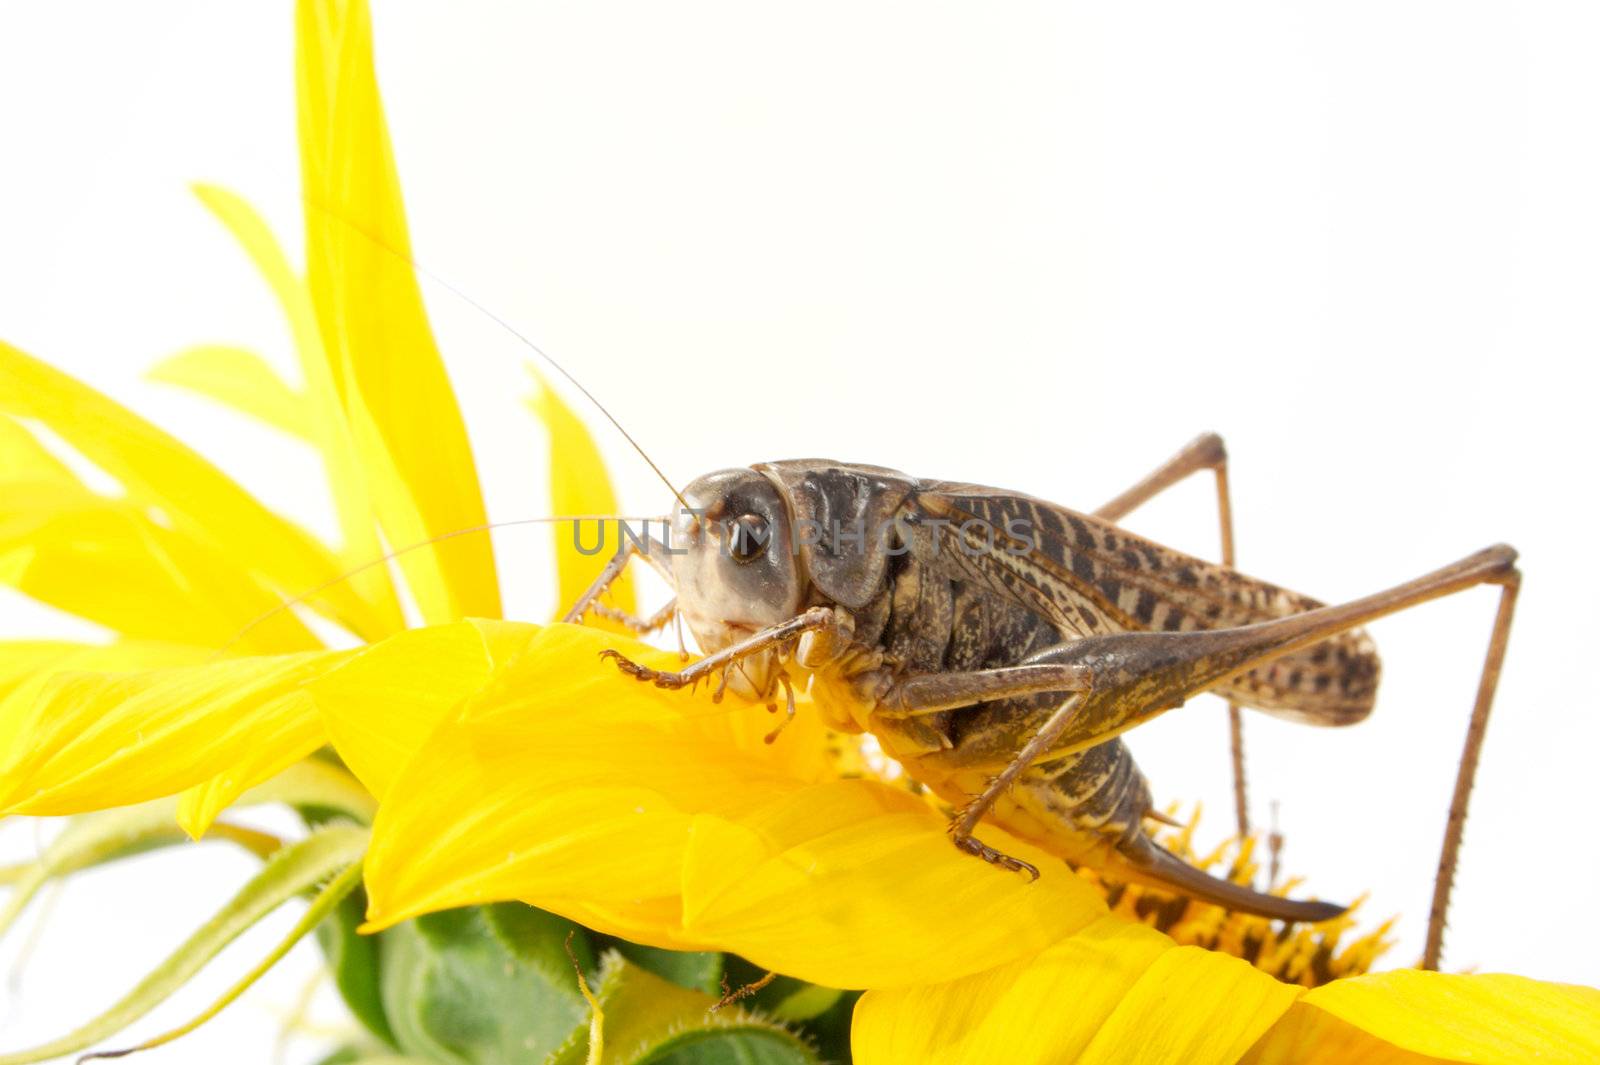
999,670
997,645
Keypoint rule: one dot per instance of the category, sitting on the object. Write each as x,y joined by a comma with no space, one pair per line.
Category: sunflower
510,821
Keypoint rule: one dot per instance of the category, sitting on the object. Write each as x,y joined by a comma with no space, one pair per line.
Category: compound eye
748,537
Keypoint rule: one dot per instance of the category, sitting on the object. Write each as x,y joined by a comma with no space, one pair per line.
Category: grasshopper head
737,573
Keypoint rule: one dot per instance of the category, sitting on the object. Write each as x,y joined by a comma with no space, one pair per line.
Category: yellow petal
856,884
30,667
109,562
380,707
238,379
644,813
1114,992
1407,1016
326,422
1306,1035
20,659
1191,1006
22,665
579,485
94,740
158,470
23,458
402,411
282,733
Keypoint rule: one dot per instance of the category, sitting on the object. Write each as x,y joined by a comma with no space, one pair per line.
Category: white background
1033,245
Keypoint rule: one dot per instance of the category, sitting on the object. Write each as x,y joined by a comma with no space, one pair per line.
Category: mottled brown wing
1088,576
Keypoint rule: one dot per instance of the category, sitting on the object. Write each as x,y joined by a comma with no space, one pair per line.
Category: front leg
592,594
641,626
817,619
653,551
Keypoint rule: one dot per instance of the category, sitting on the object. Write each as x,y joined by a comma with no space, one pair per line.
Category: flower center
1309,955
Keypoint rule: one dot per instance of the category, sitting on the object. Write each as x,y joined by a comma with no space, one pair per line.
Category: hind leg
1204,452
1135,676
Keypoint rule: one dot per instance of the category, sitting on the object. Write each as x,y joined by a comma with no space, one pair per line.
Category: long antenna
311,593
436,278
505,325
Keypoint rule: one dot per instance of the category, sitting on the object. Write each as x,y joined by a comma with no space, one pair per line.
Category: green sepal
487,985
647,1020
823,1012
830,1030
354,962
784,998
357,1056
698,970
806,1002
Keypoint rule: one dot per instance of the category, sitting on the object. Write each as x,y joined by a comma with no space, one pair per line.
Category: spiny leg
932,693
730,995
1204,452
788,708
935,692
642,626
1456,823
646,547
591,595
1274,848
1136,675
1241,797
966,820
815,619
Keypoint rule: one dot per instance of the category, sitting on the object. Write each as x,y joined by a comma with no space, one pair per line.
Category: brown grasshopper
1000,671
997,645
